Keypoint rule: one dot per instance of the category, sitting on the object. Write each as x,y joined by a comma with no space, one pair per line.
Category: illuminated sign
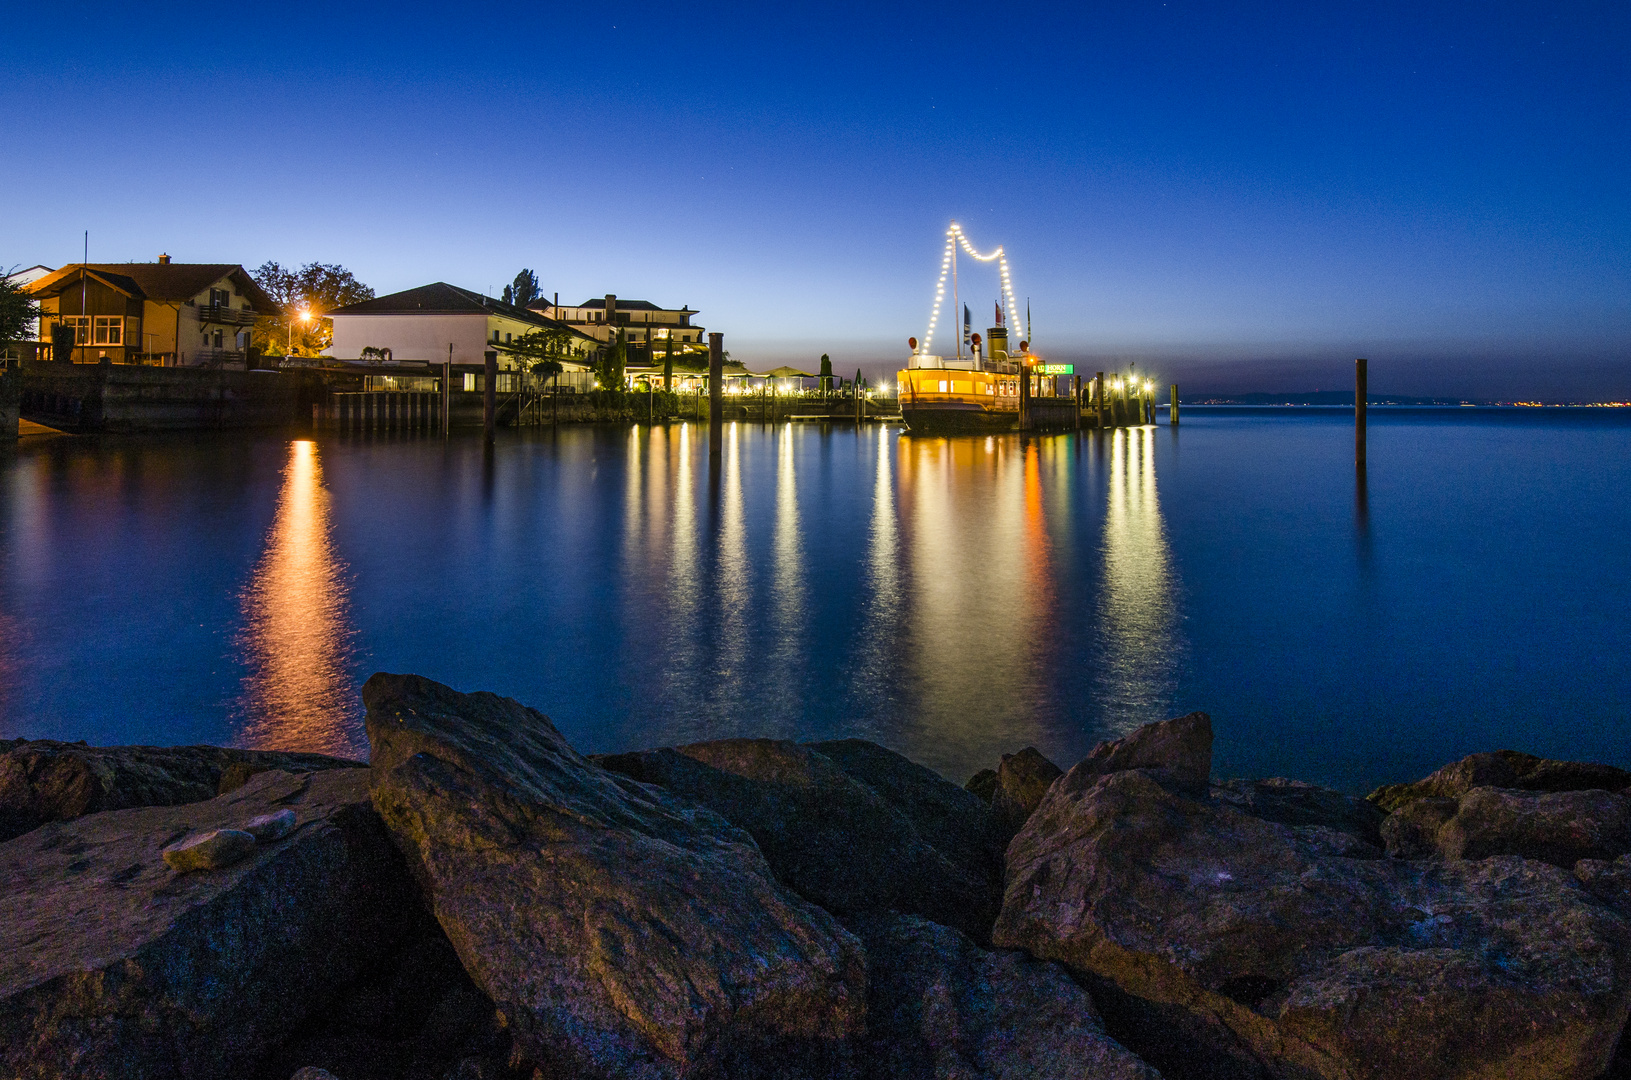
1057,369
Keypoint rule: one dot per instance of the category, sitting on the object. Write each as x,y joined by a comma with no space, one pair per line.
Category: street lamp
304,316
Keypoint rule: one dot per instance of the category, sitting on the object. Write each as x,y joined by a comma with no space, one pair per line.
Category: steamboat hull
956,418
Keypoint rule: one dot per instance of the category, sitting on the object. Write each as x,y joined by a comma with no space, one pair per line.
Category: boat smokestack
996,343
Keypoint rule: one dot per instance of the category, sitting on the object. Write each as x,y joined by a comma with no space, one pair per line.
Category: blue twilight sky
1246,194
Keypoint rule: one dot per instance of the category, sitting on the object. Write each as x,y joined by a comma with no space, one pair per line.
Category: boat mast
956,309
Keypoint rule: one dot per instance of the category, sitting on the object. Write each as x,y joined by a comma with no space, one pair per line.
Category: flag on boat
998,305
968,321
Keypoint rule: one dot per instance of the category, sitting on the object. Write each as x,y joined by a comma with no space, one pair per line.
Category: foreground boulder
112,964
941,1008
1179,749
848,825
1560,828
620,930
1017,788
42,780
1503,769
1295,950
1292,802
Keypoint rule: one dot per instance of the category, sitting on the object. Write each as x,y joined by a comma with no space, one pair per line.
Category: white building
438,322
644,323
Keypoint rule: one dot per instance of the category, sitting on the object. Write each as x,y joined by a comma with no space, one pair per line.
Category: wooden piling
489,396
1361,392
716,393
447,389
1172,413
1078,397
1098,397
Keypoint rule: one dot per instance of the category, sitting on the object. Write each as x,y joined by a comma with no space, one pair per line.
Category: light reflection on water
952,598
298,692
1140,658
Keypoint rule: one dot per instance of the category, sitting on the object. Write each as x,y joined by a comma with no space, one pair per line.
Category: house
165,313
644,323
440,322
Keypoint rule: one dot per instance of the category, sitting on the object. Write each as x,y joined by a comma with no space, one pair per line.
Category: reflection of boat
976,391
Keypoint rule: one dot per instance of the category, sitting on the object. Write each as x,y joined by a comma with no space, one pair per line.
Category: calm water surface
951,598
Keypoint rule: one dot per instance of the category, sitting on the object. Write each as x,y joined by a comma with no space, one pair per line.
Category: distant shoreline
1345,399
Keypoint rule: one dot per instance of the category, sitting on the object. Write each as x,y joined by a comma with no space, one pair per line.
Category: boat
971,392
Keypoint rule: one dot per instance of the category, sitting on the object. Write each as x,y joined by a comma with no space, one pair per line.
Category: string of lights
954,238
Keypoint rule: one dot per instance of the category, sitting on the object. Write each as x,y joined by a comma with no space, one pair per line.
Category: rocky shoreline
480,901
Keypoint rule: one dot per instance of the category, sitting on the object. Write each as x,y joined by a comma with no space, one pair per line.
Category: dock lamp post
304,316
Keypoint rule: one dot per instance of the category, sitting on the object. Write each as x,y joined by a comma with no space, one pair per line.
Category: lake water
951,598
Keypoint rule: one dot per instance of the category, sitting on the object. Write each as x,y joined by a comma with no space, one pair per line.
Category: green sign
1057,369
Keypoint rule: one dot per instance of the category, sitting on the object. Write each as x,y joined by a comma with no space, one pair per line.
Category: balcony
224,315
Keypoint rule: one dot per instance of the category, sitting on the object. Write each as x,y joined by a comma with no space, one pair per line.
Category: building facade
163,313
643,322
437,323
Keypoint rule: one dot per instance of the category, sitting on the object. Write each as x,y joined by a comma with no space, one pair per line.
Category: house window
506,339
218,339
503,386
495,337
469,382
109,330
220,297
81,326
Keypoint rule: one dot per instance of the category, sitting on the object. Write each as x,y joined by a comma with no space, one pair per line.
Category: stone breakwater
480,901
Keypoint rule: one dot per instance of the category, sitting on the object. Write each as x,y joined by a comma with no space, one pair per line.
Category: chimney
611,308
164,260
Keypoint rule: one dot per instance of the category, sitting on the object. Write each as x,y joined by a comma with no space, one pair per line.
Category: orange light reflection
297,635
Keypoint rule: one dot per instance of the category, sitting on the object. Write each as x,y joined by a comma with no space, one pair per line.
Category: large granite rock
1503,769
622,931
112,964
1296,951
954,822
1293,802
1180,748
416,1016
42,780
1020,782
941,1008
851,831
1560,828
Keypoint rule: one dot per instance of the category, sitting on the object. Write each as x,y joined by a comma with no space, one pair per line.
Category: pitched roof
161,281
440,298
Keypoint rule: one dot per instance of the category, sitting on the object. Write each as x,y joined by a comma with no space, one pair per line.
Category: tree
613,360
314,288
523,291
553,343
17,311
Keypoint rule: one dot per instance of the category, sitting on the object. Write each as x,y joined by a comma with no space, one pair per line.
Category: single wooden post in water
447,389
1098,397
489,396
1361,392
716,392
1078,396
1172,413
